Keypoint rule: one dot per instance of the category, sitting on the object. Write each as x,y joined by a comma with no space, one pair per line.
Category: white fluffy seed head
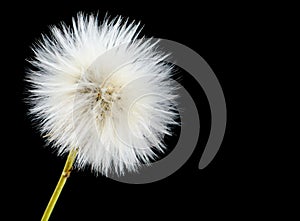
100,89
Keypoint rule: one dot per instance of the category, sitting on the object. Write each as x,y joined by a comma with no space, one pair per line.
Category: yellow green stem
62,180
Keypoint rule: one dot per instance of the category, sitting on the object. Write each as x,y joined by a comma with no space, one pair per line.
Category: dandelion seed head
98,88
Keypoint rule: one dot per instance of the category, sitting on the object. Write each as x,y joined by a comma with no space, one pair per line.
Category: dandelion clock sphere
102,95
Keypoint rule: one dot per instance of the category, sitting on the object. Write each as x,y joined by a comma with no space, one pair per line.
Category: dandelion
101,94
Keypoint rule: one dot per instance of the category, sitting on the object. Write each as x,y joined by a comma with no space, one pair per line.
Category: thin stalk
62,180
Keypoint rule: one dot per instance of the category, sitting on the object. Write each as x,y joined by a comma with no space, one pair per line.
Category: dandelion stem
62,180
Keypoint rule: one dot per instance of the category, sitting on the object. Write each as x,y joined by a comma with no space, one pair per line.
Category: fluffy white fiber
98,88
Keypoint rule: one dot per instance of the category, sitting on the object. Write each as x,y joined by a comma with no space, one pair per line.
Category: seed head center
105,98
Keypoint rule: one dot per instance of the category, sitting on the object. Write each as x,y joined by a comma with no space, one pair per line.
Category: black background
222,34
